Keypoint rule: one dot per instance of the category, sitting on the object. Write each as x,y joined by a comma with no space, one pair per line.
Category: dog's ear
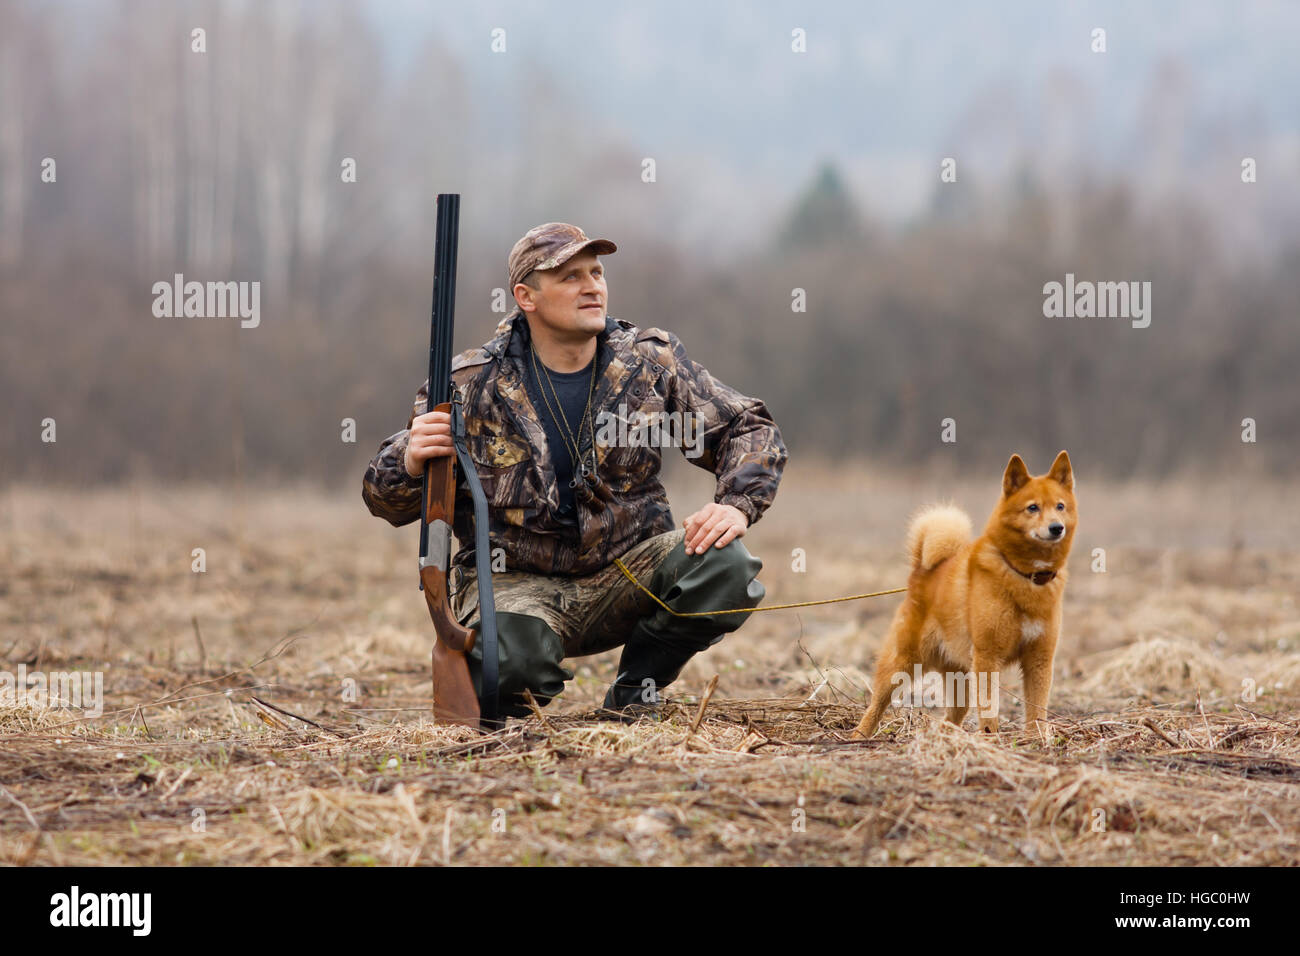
1015,477
1061,472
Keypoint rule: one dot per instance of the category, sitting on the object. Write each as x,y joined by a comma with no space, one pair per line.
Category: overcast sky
883,87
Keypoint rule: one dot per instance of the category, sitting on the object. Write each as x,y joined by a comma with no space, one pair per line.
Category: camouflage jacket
640,370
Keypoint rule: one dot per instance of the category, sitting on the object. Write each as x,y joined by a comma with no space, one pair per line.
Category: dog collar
1038,577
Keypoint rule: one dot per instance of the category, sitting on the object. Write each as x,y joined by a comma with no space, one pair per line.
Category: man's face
572,299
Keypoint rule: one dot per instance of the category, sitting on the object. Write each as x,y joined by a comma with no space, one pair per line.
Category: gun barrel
444,298
442,327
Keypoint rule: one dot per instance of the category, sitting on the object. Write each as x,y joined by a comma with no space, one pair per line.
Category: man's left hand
714,524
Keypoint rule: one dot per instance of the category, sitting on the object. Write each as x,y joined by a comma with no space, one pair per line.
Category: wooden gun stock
454,700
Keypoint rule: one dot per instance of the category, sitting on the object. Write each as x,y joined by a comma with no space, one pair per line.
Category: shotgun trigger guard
456,579
488,701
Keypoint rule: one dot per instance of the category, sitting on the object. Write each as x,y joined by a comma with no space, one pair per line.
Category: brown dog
972,607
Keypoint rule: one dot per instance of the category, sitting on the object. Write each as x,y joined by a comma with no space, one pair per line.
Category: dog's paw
860,734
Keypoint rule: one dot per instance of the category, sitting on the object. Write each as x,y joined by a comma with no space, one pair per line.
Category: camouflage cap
549,246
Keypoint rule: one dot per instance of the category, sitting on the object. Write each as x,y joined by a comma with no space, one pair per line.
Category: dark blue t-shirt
573,389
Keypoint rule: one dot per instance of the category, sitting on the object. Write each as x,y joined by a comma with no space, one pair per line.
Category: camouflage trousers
543,619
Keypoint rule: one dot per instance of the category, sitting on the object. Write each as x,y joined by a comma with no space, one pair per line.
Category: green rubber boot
661,644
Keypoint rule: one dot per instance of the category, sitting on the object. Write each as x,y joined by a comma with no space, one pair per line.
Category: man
556,407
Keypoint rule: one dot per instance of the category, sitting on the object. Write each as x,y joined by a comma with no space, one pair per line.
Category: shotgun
454,700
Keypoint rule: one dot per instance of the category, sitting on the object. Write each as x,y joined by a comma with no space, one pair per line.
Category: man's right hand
430,438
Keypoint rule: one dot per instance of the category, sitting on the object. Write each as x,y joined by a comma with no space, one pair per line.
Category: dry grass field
1176,737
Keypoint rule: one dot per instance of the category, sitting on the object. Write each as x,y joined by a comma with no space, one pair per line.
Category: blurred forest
226,166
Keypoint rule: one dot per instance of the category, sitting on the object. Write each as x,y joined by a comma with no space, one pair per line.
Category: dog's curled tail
936,533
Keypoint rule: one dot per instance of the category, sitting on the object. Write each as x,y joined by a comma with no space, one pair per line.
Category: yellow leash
745,610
